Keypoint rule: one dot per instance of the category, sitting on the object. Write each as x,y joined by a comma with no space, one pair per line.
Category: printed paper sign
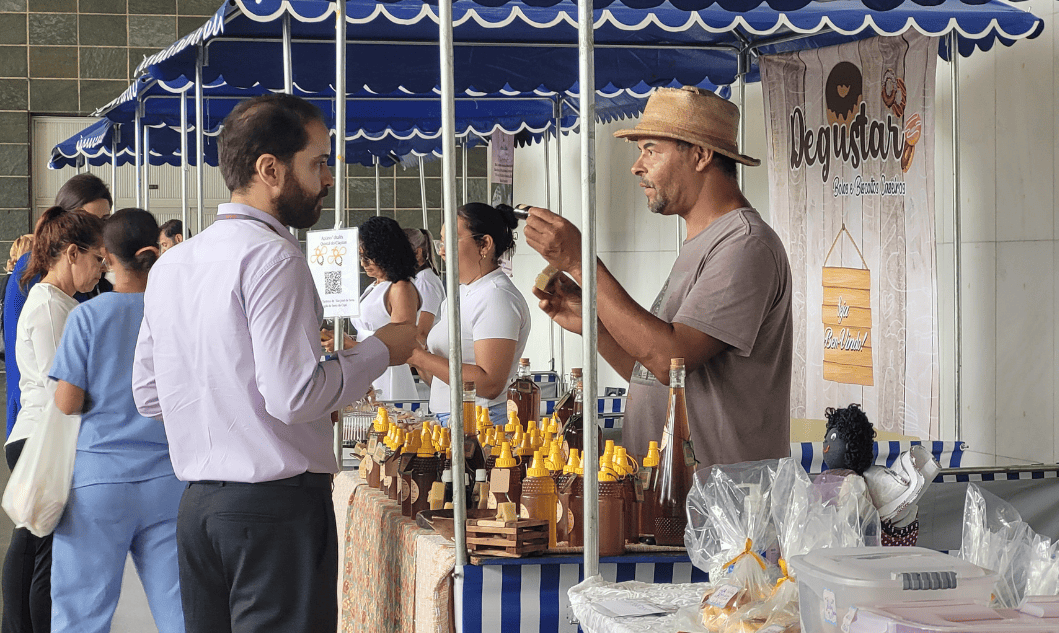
334,261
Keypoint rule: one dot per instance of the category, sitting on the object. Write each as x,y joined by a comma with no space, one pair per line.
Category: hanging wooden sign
846,314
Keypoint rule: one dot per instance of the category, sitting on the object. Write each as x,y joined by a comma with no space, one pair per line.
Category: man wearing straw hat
726,307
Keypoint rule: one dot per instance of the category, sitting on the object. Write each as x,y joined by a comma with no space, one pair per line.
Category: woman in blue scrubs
124,495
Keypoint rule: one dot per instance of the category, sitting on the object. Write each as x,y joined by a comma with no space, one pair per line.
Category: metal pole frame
743,67
423,194
146,168
340,158
589,327
463,169
200,150
184,160
138,143
548,201
957,237
115,136
559,210
288,63
452,283
378,185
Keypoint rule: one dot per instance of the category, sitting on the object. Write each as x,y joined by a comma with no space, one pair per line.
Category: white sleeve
431,290
45,330
496,315
144,388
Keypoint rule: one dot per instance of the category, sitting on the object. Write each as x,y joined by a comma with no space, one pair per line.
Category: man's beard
659,204
298,208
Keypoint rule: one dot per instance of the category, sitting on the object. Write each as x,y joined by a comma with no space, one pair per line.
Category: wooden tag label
379,453
389,469
406,462
500,481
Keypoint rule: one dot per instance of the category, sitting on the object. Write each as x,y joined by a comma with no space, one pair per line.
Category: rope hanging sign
847,320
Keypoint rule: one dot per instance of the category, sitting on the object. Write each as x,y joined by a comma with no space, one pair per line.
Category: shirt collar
242,209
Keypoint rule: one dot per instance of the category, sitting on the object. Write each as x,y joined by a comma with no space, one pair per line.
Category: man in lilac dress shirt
229,358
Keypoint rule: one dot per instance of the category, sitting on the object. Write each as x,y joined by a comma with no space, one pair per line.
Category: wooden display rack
513,539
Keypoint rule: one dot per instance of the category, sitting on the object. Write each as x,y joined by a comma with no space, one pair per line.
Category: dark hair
171,229
422,239
131,235
270,124
384,243
498,224
80,190
725,163
856,432
56,230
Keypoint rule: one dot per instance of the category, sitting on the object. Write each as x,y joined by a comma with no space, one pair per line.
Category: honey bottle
539,499
523,395
677,462
648,478
505,483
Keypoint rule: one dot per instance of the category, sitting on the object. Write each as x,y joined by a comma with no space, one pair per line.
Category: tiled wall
70,57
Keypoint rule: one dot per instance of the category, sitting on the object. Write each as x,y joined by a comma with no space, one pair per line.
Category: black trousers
259,558
26,576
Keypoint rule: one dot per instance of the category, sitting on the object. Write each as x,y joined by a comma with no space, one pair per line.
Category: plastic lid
382,420
651,460
446,476
887,567
538,469
573,463
555,457
553,426
676,363
526,447
524,362
479,474
512,422
506,459
576,371
608,448
619,461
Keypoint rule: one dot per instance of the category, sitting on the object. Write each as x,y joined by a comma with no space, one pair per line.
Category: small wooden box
513,539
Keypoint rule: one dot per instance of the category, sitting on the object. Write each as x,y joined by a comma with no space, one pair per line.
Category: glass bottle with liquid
565,407
676,467
574,431
472,450
524,395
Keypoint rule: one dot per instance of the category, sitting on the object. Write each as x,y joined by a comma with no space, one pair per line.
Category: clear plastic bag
729,523
39,486
995,537
1044,568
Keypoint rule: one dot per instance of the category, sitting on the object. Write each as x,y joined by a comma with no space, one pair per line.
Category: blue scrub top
116,443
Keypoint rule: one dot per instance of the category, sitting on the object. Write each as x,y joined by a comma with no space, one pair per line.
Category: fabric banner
850,132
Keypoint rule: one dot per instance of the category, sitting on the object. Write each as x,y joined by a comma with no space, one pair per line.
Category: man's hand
400,339
556,239
327,339
561,300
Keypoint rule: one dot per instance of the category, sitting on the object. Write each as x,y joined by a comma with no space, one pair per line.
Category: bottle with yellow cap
505,484
564,487
512,424
554,460
525,454
373,457
391,474
424,472
408,455
539,498
648,478
611,514
627,469
575,505
474,456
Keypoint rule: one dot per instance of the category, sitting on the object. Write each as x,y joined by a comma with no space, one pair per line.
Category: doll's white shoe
893,490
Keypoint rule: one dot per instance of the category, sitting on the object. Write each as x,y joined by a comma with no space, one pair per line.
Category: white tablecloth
684,598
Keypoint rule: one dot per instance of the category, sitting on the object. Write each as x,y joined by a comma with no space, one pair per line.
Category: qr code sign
333,282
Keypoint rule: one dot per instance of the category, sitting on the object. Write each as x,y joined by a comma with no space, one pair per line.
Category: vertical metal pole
463,157
559,210
146,168
340,157
452,281
548,202
288,66
957,245
184,161
587,81
378,190
744,66
138,146
200,150
423,194
115,136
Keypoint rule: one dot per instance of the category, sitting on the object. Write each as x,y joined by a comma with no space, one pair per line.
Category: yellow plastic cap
618,461
652,458
506,459
525,447
609,448
606,475
555,457
382,420
512,422
538,469
573,463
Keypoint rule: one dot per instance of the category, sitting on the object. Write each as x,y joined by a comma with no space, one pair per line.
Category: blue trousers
497,415
101,525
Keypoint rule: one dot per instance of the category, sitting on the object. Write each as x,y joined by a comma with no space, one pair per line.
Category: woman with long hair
68,258
427,280
495,315
387,258
124,495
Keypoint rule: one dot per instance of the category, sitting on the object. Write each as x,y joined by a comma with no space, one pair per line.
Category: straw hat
692,115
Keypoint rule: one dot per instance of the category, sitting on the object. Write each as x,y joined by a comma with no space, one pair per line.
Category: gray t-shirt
733,282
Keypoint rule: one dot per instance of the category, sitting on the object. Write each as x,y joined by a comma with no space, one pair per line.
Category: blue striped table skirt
948,454
611,410
530,596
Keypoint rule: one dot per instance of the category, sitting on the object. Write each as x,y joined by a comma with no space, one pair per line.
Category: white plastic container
1038,615
830,581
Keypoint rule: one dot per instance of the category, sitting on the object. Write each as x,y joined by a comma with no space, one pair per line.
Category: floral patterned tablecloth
396,577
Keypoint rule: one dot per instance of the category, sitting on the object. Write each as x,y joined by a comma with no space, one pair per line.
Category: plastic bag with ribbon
996,537
729,526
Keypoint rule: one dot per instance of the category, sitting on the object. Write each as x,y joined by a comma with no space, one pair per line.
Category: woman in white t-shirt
387,258
495,316
68,256
427,280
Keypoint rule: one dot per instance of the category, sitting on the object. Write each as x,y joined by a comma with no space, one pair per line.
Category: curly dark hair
856,431
384,242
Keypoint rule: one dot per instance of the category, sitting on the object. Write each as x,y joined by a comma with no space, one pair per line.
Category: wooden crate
513,539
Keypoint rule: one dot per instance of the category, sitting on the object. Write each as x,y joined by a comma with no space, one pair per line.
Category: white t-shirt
431,289
490,307
40,328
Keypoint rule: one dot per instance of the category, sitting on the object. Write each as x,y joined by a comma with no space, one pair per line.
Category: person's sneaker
893,490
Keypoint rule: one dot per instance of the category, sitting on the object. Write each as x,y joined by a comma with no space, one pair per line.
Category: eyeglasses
439,245
100,260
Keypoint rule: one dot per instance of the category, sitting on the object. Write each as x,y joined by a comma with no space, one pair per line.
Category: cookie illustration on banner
843,93
894,93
